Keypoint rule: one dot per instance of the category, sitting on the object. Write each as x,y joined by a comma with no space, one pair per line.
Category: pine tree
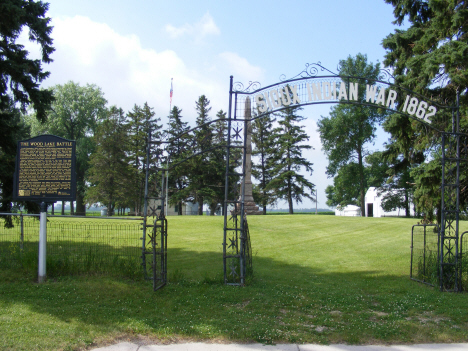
20,79
199,165
140,120
217,162
264,151
290,139
20,76
178,150
109,170
429,57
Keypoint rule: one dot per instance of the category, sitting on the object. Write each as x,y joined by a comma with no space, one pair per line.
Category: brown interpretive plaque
45,170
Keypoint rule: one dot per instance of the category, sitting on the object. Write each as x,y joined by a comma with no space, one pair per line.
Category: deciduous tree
350,127
74,115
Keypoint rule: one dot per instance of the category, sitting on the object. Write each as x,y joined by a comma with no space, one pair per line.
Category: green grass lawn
317,279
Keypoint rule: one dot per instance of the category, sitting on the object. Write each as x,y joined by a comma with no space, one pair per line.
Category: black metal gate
154,239
424,265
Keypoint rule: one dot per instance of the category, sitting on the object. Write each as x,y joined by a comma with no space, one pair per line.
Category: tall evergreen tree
178,149
263,152
217,162
20,79
15,129
140,120
199,164
20,76
349,127
109,170
290,140
429,57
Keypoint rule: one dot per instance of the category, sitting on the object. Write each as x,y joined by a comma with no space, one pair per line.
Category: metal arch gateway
306,88
310,88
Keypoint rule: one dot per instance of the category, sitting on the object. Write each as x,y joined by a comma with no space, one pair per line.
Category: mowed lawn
317,279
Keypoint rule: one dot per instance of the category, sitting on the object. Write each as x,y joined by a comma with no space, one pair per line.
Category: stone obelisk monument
249,204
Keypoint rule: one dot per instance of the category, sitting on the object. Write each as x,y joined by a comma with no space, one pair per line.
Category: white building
349,211
374,205
188,208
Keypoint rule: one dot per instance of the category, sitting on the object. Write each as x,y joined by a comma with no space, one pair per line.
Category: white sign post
42,243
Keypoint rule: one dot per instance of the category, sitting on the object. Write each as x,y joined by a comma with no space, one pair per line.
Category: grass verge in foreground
318,279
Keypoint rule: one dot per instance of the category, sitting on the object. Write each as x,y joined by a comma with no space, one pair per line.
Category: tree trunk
200,206
290,202
407,206
80,205
264,201
361,183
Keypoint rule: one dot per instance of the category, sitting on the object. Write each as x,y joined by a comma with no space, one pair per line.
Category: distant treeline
320,211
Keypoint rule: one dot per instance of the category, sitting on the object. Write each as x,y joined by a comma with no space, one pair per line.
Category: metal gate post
449,279
226,182
145,207
242,211
234,228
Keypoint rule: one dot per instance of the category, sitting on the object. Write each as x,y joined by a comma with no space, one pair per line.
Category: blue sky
131,50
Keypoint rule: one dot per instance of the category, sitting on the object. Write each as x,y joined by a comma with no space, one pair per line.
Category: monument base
251,208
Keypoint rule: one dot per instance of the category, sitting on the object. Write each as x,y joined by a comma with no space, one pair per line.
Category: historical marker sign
45,170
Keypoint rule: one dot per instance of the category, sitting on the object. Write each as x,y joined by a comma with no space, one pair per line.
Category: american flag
171,92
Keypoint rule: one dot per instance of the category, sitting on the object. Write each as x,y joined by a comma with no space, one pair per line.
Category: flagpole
167,161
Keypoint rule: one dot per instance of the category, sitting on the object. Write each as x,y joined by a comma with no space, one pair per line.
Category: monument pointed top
247,112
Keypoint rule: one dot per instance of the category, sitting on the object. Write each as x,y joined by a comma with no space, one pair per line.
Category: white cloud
205,27
129,74
241,69
90,52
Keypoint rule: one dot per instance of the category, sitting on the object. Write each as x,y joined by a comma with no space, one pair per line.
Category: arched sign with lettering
310,88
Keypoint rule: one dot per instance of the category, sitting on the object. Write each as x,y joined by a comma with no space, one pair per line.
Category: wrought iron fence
425,254
75,245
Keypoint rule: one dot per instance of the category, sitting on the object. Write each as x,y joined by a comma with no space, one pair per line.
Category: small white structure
188,208
374,205
349,211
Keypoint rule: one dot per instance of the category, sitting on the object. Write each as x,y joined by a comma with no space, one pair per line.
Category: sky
132,49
